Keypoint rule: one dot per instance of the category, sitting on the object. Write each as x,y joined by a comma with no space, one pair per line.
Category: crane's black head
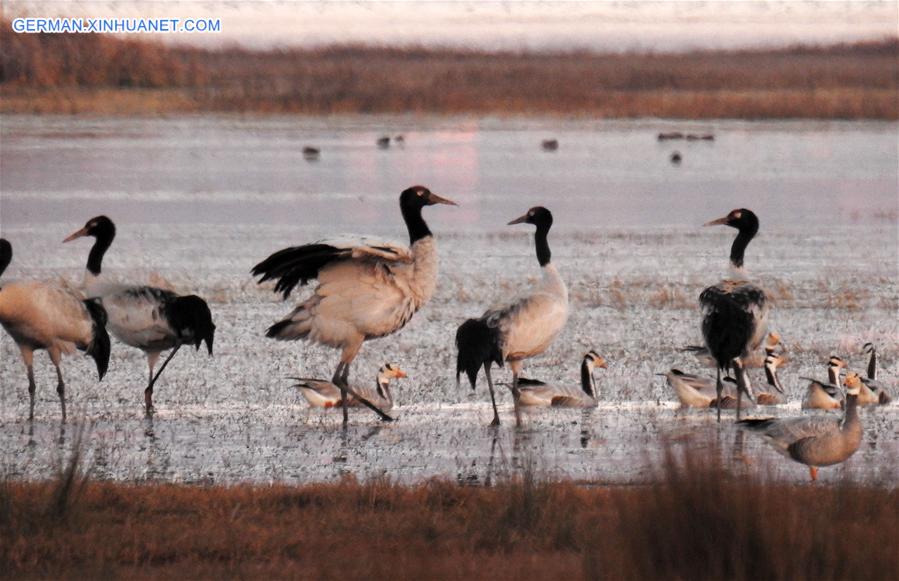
747,223
5,254
742,219
100,228
420,196
538,216
543,219
103,230
412,200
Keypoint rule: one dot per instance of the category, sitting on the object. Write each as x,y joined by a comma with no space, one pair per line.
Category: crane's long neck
542,244
95,258
738,249
588,383
5,259
416,225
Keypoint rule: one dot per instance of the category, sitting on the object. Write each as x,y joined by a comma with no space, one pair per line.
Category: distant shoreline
91,74
862,104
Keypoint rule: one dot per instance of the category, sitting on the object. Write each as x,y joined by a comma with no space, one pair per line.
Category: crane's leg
495,421
148,393
55,357
341,380
516,397
338,380
813,472
719,388
28,359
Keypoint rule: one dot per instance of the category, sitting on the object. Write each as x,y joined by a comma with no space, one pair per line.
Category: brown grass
698,522
103,74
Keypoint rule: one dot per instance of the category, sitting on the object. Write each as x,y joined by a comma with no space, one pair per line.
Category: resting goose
321,393
535,393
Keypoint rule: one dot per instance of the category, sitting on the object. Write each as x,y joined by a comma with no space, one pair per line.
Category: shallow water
198,201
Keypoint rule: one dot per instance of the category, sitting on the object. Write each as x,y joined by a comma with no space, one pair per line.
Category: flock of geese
368,289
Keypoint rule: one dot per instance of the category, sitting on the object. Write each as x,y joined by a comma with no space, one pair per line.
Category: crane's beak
77,234
435,199
602,364
718,222
400,373
520,220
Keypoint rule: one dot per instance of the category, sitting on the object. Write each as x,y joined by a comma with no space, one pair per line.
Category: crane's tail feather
477,344
297,265
99,347
191,318
297,326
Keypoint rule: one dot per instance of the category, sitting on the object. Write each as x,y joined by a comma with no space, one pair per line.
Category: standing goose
873,391
735,311
816,441
367,289
52,316
825,396
321,393
148,318
535,393
519,330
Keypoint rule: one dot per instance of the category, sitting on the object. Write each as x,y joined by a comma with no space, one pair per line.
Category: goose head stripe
5,254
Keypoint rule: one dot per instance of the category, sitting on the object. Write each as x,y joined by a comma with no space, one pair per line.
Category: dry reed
100,74
698,520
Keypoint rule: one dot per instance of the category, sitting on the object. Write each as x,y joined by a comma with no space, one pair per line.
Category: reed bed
699,520
107,75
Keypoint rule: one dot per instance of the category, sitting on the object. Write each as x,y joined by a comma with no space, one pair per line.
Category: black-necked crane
321,393
816,441
521,329
735,311
149,318
536,393
52,316
367,288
